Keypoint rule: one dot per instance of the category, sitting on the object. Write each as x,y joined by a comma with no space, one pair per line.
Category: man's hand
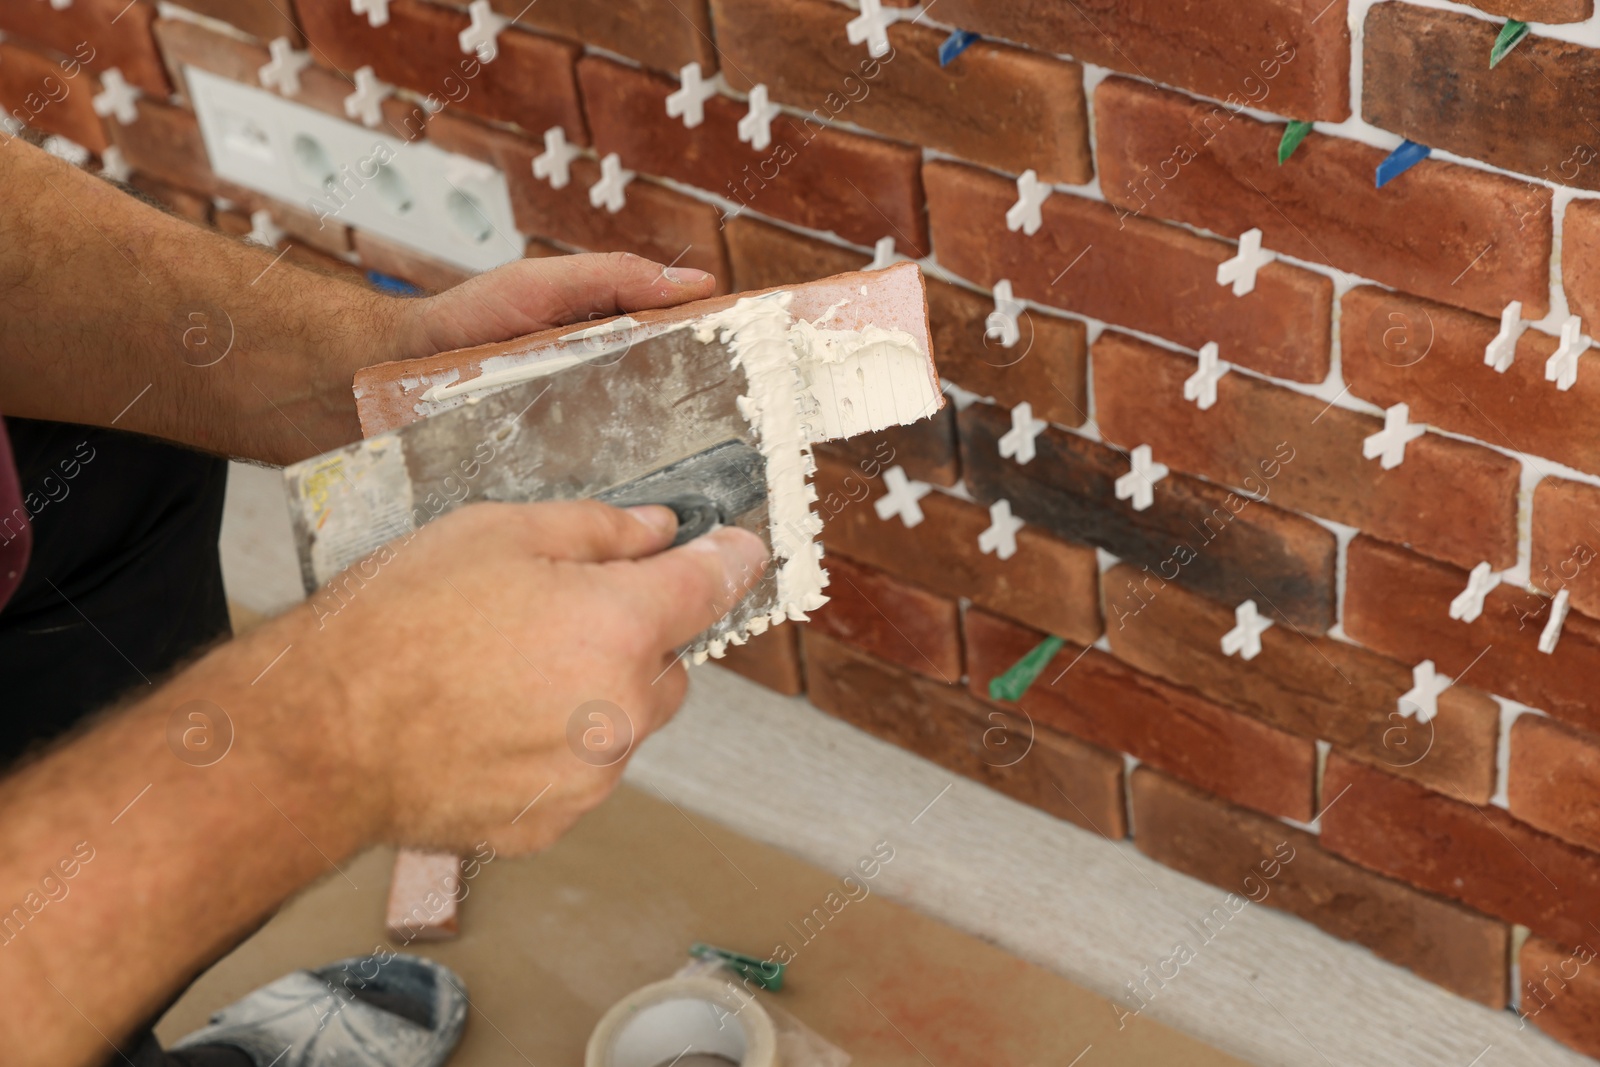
115,313
536,294
467,658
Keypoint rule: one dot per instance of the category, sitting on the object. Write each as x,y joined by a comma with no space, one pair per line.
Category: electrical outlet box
449,206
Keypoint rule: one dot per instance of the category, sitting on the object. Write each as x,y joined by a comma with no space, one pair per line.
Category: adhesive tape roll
680,1019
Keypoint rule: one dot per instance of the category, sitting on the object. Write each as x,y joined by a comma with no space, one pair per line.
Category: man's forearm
113,312
134,856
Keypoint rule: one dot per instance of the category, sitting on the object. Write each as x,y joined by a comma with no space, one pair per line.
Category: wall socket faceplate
448,206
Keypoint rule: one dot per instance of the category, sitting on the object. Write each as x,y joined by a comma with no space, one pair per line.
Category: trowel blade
654,421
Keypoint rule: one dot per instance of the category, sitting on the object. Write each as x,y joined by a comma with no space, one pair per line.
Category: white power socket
448,206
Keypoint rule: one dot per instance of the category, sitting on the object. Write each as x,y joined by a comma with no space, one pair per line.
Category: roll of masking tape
684,1021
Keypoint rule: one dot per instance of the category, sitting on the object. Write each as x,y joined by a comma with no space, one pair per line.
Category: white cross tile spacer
1390,442
479,38
10,125
116,97
1503,349
1201,386
114,165
1140,481
283,73
263,231
366,103
63,148
902,497
1468,604
377,11
1001,536
756,126
1552,629
1240,271
608,191
871,26
1001,325
1025,214
1422,699
60,5
883,254
1017,442
1562,366
689,101
1244,640
556,161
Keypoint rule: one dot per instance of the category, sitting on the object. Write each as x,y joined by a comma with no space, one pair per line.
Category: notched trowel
709,408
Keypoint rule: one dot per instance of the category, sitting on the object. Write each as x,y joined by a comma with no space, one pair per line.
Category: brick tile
1473,239
266,19
1290,58
1073,781
1048,366
1314,687
1566,531
1553,778
1001,106
1236,850
165,143
661,34
1105,702
1549,11
181,202
186,44
1133,272
1050,583
1396,347
100,33
925,448
183,43
1477,854
893,620
50,92
1199,534
538,249
771,659
323,234
1478,112
656,222
424,896
1450,499
1580,260
1561,992
530,82
764,255
824,179
407,264
387,392
1399,603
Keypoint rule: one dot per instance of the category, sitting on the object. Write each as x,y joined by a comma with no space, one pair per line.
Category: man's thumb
683,591
586,531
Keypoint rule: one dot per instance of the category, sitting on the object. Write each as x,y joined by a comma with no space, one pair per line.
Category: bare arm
113,312
408,717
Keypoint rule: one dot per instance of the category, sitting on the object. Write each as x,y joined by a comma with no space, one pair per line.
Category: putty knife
656,422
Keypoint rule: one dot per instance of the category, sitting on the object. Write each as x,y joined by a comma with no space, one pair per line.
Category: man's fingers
585,531
680,592
535,294
619,281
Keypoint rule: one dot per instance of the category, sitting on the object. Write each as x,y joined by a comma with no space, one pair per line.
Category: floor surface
548,943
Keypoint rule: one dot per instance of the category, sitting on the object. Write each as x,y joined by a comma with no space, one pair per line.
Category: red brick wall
1160,124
